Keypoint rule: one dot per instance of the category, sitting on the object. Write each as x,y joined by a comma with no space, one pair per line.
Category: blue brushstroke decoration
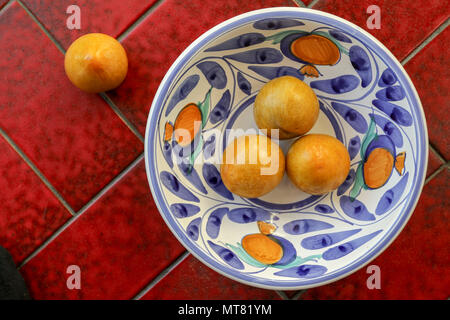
289,71
387,78
323,208
394,93
181,153
347,183
174,186
189,172
222,109
302,226
213,179
284,206
257,56
167,153
227,256
214,73
333,121
275,72
209,147
182,91
326,239
390,198
215,221
345,248
361,63
248,214
193,229
395,112
341,84
353,147
339,36
389,129
355,209
184,210
244,84
306,271
242,41
276,23
289,252
353,117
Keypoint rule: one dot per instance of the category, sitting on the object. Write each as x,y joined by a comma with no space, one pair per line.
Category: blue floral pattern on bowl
366,101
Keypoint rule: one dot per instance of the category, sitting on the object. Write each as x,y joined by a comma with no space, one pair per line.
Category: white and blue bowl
367,101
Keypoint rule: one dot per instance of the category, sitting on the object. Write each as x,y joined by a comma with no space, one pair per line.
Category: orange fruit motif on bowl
311,49
378,167
187,124
262,248
316,49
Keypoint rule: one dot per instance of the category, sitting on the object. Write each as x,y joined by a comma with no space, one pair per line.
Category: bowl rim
303,13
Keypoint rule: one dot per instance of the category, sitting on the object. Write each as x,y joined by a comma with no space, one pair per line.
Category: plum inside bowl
367,101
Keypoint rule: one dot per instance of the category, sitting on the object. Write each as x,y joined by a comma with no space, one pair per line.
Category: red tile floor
72,177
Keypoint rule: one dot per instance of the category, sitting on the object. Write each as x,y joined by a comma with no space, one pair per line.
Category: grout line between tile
122,116
111,184
282,294
138,21
299,294
434,174
422,45
6,6
36,170
299,3
312,4
47,241
42,27
160,276
82,210
436,152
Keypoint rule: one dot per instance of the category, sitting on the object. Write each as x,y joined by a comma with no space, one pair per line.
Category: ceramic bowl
367,101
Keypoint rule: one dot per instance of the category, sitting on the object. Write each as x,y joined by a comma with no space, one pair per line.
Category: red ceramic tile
404,23
428,70
29,213
120,244
416,264
111,17
192,280
74,138
161,37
